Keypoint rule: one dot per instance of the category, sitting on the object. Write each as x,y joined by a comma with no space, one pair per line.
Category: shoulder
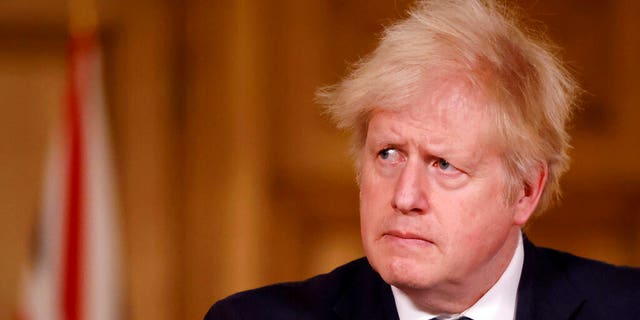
612,286
588,272
308,299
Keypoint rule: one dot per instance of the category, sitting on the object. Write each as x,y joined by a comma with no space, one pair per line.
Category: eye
444,165
389,154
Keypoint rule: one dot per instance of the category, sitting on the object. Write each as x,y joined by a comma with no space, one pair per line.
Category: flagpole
83,17
74,269
82,26
89,262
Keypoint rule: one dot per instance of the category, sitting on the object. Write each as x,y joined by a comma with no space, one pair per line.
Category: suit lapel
544,291
366,296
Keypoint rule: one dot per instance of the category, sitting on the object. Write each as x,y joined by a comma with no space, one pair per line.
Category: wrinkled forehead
446,99
450,97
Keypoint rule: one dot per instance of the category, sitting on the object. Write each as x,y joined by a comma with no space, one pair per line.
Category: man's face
432,193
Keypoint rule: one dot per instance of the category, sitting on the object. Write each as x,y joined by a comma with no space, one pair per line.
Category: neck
457,296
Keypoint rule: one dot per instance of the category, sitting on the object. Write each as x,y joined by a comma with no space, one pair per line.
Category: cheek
470,215
374,201
372,188
369,205
487,223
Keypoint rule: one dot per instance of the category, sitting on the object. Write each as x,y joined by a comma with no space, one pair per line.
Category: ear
529,193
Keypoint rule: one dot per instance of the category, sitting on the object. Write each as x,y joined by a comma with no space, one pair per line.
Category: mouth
406,237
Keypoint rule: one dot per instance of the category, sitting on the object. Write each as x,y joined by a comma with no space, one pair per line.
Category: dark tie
461,318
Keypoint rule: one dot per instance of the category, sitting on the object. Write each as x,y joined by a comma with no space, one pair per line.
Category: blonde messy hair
530,92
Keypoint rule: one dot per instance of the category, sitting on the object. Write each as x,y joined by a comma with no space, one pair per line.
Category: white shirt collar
498,303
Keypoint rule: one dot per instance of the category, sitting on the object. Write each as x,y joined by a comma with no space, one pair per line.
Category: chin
403,272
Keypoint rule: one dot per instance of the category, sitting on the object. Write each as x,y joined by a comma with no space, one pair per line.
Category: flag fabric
74,267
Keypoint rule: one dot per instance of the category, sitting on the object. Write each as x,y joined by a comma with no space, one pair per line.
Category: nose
410,194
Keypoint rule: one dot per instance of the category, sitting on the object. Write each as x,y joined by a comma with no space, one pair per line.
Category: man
459,122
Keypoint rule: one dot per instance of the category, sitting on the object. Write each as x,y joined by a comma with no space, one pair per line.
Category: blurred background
228,176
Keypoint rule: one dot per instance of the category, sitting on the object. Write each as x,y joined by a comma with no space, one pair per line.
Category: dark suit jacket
553,285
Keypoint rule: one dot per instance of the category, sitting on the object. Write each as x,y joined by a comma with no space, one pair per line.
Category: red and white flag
75,263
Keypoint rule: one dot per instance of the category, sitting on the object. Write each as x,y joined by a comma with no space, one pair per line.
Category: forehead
449,109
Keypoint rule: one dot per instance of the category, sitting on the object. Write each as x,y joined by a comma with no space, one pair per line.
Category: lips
405,236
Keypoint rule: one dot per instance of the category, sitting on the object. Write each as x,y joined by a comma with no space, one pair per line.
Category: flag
73,273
